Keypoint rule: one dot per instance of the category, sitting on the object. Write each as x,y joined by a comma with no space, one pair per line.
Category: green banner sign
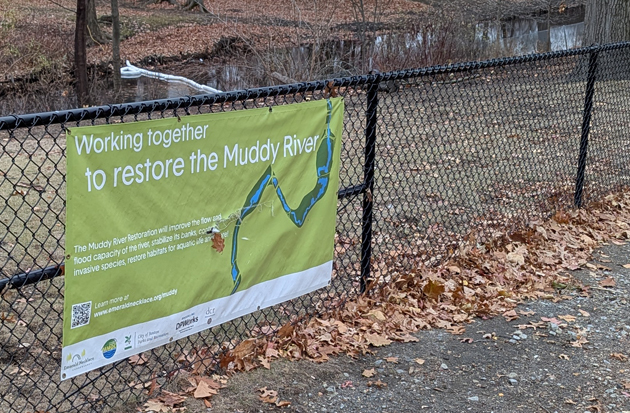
177,225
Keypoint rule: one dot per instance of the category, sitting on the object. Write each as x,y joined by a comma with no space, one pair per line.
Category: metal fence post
586,126
368,181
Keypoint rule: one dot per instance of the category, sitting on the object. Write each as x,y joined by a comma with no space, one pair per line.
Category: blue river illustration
298,215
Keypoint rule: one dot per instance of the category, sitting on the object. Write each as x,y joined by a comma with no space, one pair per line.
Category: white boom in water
132,72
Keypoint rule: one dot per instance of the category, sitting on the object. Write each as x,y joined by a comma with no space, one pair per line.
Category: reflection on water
336,58
524,36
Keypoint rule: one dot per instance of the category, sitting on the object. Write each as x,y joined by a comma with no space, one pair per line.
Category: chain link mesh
431,157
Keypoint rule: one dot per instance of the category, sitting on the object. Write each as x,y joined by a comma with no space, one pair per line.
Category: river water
492,39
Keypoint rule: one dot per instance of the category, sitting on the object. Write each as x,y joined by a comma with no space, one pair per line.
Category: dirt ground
565,356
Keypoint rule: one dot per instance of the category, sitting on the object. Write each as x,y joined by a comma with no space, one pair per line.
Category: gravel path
572,356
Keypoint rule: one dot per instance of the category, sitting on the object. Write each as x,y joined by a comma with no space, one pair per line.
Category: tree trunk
116,44
192,4
80,60
607,21
96,35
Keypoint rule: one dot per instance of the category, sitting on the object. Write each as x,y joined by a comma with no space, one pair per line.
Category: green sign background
270,244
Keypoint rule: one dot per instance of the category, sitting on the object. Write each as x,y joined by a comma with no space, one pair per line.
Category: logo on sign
184,323
109,348
128,344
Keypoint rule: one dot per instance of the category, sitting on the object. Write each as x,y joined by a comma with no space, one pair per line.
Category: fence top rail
124,109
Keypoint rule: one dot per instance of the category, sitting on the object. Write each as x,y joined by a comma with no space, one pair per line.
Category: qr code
81,314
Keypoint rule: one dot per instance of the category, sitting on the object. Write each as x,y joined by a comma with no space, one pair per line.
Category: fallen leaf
551,320
377,340
283,403
171,399
584,313
569,401
568,318
433,289
510,315
391,359
619,356
264,362
244,348
286,330
516,258
608,282
408,338
218,243
203,390
377,315
466,340
347,383
456,330
268,396
419,361
155,405
454,269
368,373
377,383
563,356
527,313
626,266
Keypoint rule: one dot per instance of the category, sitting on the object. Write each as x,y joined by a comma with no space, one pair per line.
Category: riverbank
241,44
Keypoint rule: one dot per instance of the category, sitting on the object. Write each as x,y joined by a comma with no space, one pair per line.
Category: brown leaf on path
245,348
568,318
377,340
264,362
619,356
626,266
526,313
454,269
155,405
377,383
407,338
608,282
171,399
213,384
433,289
419,361
466,340
584,313
203,390
552,320
377,315
626,385
283,403
391,360
456,330
271,352
511,315
286,330
218,243
207,403
268,396
369,372
516,258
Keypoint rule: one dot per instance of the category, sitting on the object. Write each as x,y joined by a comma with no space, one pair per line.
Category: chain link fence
431,158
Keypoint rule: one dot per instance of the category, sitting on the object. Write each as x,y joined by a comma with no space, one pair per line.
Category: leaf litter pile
480,281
